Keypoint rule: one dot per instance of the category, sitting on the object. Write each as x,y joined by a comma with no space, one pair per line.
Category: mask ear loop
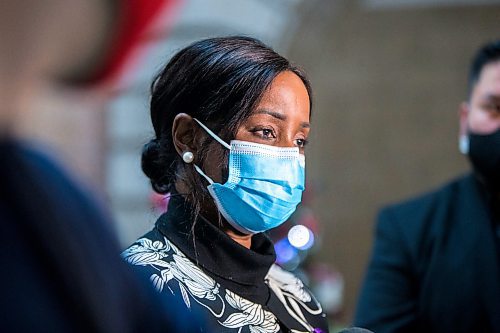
213,135
203,174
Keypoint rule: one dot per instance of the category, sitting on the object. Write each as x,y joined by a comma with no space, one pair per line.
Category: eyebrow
277,115
280,116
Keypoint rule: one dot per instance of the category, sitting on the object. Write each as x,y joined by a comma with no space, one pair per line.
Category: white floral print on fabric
292,294
171,264
257,319
289,283
194,281
198,283
148,253
161,279
145,252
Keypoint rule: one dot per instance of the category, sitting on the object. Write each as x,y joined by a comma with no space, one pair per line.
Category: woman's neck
243,240
210,213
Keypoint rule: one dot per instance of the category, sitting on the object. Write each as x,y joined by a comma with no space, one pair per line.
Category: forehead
287,93
489,80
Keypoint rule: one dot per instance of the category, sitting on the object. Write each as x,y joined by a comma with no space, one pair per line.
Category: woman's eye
264,133
301,142
267,133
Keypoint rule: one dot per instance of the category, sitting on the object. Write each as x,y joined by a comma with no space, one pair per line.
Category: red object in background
159,202
136,16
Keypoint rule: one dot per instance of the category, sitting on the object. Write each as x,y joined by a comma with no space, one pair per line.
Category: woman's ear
184,132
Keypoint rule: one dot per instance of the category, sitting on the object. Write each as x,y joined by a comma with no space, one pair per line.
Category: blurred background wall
387,75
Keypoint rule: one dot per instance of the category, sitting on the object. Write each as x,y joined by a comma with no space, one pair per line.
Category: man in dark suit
435,265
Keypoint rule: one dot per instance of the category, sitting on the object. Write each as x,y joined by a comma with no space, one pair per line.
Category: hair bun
154,166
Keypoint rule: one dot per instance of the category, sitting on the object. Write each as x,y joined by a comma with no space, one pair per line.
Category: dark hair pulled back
218,81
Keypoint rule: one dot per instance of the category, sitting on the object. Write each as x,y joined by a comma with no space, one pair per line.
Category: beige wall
387,85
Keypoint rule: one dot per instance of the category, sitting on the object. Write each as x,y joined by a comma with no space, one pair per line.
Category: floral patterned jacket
240,289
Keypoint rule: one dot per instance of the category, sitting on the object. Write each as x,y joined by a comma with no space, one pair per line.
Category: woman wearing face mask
231,120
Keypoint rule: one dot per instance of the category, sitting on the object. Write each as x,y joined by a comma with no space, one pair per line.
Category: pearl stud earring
188,157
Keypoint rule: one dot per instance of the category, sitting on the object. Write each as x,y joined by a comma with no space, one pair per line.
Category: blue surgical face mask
264,185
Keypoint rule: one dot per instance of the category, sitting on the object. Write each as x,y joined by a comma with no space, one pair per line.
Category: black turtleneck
240,289
226,261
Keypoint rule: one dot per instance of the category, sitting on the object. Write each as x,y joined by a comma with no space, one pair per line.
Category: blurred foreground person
61,269
436,260
231,119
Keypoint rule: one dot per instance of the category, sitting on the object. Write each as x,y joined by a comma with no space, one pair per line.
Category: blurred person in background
435,265
61,269
231,120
